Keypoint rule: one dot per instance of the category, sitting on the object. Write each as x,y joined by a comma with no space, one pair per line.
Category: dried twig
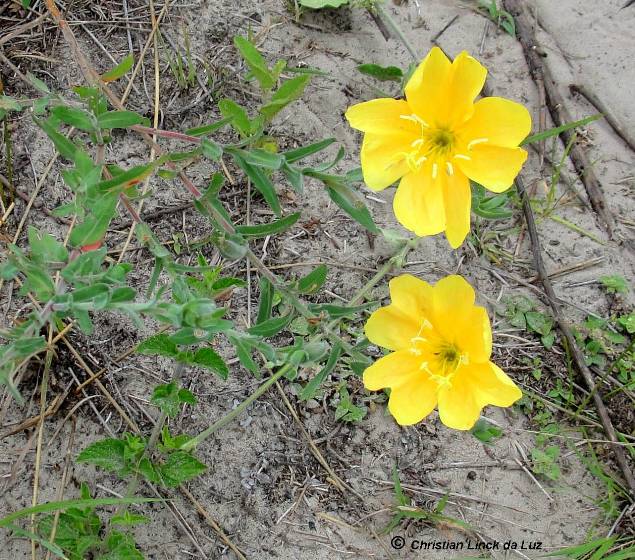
559,113
576,353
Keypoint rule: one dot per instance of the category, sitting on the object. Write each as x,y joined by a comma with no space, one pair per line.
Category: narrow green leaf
352,203
559,129
382,73
288,92
243,351
237,116
311,388
305,151
313,281
95,226
318,4
74,117
266,300
211,149
208,128
255,61
262,158
121,119
271,327
262,183
262,230
124,66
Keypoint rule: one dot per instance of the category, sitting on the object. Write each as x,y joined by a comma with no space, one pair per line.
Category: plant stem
394,27
238,410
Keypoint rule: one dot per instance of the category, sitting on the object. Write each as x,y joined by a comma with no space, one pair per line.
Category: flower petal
453,302
426,89
503,122
382,116
476,335
457,198
412,401
391,328
466,81
382,159
418,203
458,406
492,385
392,371
412,296
492,166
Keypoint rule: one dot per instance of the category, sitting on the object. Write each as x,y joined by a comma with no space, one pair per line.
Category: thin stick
559,113
576,353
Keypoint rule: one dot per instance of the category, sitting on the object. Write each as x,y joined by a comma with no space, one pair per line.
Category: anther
435,170
449,168
462,156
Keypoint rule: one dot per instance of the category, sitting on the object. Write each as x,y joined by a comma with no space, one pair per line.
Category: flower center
435,147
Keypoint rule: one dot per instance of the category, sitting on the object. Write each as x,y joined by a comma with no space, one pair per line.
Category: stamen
420,161
476,141
418,339
462,156
435,170
417,143
414,118
449,168
415,351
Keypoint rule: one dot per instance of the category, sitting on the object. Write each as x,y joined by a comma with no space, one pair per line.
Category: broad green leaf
207,358
485,432
45,248
313,281
289,91
169,398
109,454
382,73
180,467
159,344
262,230
121,119
256,62
74,117
119,70
236,115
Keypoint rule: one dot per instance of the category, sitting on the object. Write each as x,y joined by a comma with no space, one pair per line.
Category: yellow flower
441,345
436,139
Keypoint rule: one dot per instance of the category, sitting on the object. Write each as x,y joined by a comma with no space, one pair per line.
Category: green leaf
352,203
207,358
109,454
339,311
305,151
211,149
126,179
63,145
236,115
271,327
208,128
74,117
266,300
94,228
263,158
256,62
318,4
262,183
614,284
180,467
169,398
288,92
559,129
37,83
262,230
45,248
539,322
128,519
159,344
243,351
124,66
313,281
485,431
311,388
121,119
382,73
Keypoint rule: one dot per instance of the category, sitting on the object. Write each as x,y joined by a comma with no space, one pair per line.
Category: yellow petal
418,203
412,296
453,302
412,401
389,327
492,166
382,159
475,335
457,198
503,122
459,408
492,385
473,387
426,89
466,81
391,371
382,116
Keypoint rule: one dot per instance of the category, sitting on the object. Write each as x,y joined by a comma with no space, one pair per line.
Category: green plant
500,17
614,284
520,312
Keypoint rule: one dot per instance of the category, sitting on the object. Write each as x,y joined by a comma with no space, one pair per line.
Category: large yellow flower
441,346
436,139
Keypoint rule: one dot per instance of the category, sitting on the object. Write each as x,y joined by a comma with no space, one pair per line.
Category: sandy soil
263,486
